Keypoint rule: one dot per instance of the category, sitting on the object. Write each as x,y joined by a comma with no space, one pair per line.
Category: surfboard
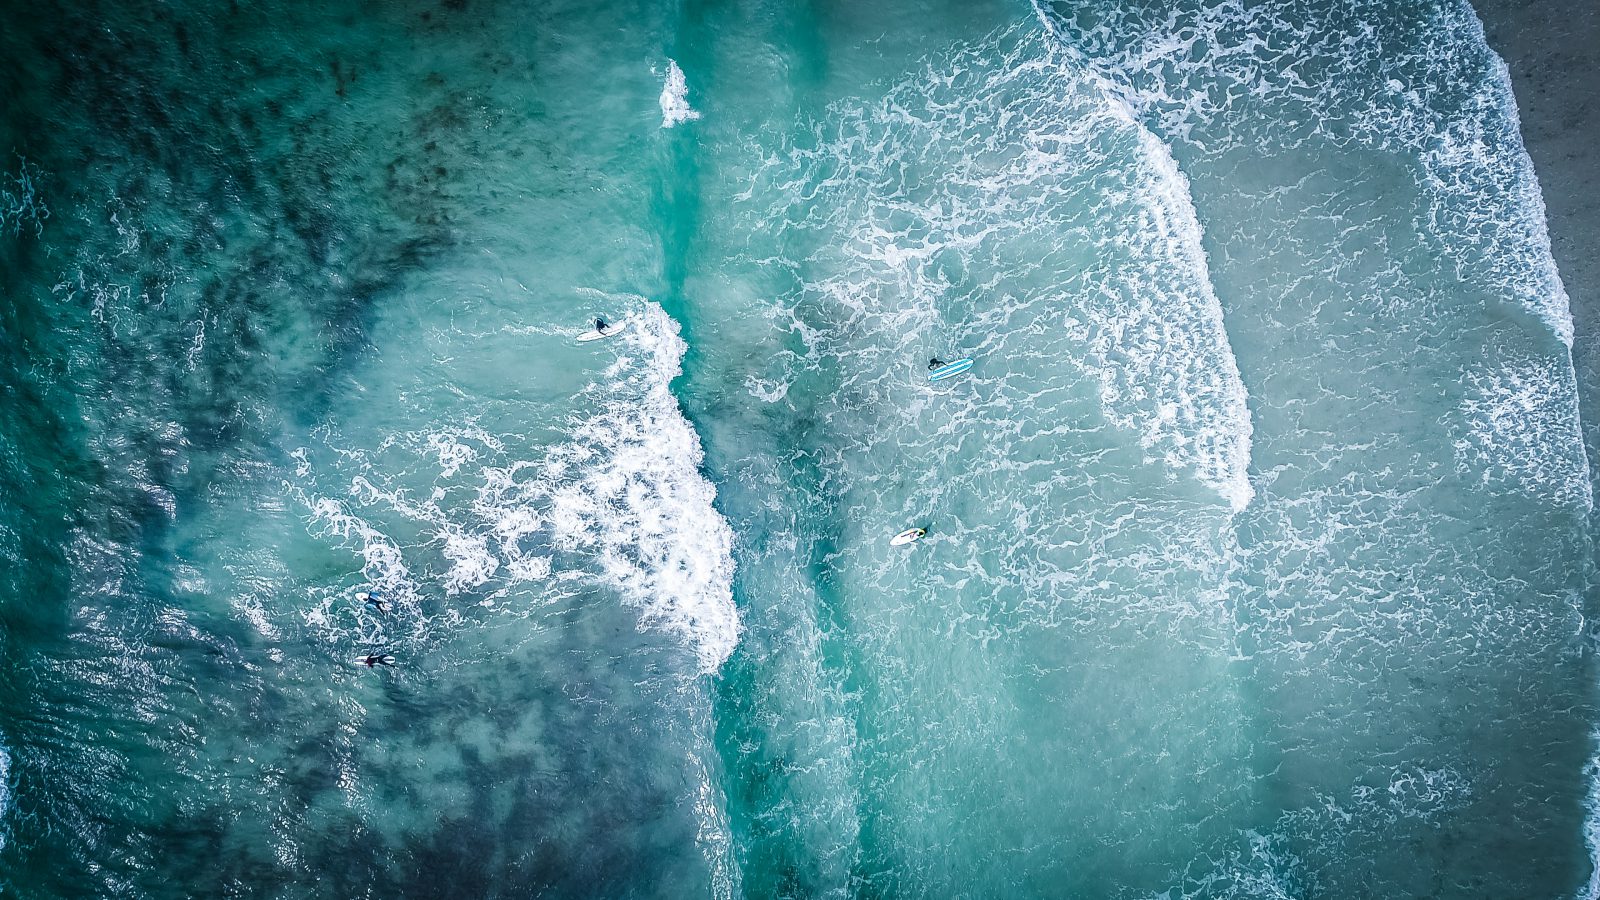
592,335
950,370
909,536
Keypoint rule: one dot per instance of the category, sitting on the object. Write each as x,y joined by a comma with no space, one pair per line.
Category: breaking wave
619,502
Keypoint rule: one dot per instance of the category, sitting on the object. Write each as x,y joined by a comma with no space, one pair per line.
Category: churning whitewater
1254,549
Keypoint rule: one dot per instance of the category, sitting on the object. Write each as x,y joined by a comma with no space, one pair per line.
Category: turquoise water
1259,539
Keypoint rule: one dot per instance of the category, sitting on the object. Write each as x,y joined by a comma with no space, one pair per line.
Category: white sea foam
1521,428
1201,417
20,204
384,566
1415,792
1591,819
191,357
452,453
675,98
1262,864
713,834
765,389
5,794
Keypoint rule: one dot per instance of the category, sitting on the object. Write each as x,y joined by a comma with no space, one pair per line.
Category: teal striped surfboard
950,370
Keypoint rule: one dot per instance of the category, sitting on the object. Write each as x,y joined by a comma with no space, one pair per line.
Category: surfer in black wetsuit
374,659
935,363
372,600
600,325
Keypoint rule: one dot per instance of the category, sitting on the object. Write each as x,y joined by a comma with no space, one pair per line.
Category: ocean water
1260,536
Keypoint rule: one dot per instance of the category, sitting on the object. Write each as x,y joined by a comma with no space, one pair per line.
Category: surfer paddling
939,369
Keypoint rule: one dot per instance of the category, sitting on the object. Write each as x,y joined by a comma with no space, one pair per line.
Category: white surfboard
909,536
593,335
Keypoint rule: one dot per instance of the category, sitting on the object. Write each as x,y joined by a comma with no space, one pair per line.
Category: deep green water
1260,543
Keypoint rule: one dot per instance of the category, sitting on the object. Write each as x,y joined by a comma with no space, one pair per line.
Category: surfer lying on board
372,600
935,363
909,536
374,659
601,325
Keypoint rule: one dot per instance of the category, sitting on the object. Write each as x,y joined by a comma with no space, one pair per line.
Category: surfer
372,600
909,536
375,659
935,363
602,330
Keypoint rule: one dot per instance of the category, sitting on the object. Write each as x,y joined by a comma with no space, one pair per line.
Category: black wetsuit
378,661
600,325
935,363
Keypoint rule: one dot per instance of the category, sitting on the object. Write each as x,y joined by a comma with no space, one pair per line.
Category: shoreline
1551,49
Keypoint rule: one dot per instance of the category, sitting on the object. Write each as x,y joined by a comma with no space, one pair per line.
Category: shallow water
1259,534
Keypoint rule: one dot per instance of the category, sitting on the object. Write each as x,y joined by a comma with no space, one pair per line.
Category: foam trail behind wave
1221,453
